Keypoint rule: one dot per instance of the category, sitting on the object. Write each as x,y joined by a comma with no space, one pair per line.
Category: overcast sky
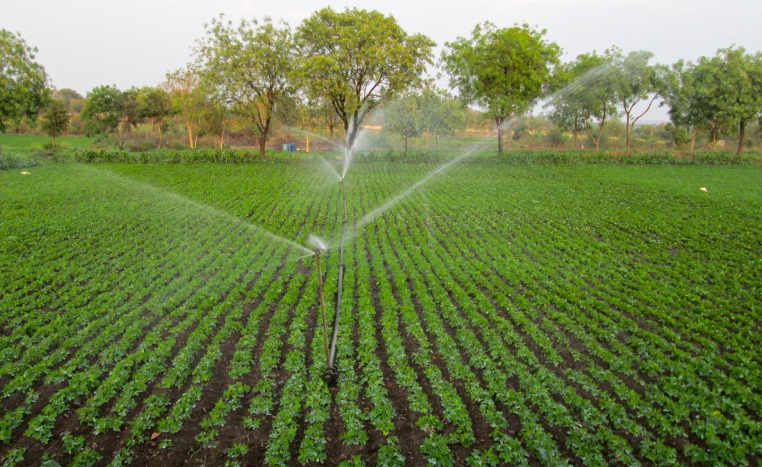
88,43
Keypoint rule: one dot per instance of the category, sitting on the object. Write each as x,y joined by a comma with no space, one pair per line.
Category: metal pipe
331,373
322,307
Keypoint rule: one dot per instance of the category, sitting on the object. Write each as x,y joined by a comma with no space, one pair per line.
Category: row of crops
502,314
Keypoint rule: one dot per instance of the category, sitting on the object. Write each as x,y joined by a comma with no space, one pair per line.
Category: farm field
501,314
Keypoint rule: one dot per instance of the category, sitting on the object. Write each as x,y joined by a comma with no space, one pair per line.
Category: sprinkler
330,374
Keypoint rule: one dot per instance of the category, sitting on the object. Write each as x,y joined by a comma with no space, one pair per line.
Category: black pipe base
331,376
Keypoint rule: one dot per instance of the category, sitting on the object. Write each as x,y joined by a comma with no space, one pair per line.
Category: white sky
88,43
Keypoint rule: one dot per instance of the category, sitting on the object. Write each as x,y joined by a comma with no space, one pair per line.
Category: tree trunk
307,146
627,134
596,138
694,135
714,139
190,133
222,138
500,136
262,144
160,136
741,137
406,137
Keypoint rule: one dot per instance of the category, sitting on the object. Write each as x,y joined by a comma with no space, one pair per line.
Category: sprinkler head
317,243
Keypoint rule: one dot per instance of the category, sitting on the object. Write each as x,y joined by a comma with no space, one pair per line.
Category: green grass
24,151
30,144
504,313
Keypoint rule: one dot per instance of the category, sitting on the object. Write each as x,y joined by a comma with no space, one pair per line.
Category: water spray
331,373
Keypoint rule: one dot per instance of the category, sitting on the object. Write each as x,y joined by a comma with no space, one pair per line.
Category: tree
249,67
109,110
324,113
23,82
73,100
187,98
677,95
566,109
128,107
728,90
403,117
56,119
102,111
441,113
502,70
359,59
678,135
155,105
636,82
212,120
588,95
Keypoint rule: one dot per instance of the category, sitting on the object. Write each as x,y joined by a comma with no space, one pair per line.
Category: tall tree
102,111
23,82
56,119
187,97
636,83
359,59
249,67
728,89
502,70
589,95
679,94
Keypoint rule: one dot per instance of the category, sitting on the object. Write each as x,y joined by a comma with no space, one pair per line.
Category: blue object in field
292,147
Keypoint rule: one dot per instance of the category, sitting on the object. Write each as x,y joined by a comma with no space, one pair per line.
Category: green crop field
500,314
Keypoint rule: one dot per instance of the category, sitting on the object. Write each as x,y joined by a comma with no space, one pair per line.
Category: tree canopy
717,93
727,89
502,70
586,95
23,82
249,67
187,98
636,82
359,59
56,119
259,76
102,112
